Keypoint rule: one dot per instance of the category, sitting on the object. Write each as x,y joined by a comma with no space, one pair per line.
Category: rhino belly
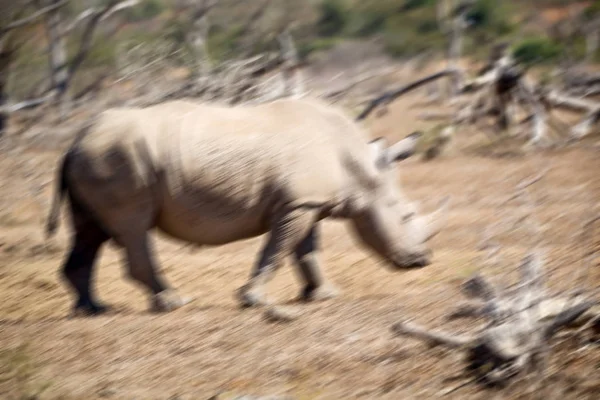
201,224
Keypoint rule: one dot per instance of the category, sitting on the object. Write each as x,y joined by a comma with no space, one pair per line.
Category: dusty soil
338,349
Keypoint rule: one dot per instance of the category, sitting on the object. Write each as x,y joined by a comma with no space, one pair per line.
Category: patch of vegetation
148,9
316,45
366,23
223,41
537,50
491,16
407,35
414,4
333,17
409,27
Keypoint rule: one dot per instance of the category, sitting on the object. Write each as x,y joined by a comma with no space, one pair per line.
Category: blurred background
507,92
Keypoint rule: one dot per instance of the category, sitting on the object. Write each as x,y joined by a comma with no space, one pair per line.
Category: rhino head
388,223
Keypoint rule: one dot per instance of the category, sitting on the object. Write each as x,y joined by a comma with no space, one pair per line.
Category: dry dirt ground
338,349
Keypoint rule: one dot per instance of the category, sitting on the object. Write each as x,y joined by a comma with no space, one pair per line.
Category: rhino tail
59,194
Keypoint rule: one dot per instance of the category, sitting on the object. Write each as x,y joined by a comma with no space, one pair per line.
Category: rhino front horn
435,220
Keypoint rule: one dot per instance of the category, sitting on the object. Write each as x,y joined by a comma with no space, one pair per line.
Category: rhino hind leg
79,265
288,229
306,256
142,268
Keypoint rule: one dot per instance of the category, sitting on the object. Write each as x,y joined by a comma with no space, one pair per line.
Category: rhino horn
404,148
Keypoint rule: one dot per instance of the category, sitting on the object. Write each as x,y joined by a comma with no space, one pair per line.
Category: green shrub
411,33
148,9
306,48
101,54
491,16
222,42
367,23
332,18
428,26
592,11
537,50
414,4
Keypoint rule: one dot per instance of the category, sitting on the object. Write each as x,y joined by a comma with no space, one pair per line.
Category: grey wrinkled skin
212,175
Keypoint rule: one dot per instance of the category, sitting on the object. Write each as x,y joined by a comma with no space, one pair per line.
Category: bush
490,15
413,4
428,26
537,50
407,34
223,41
332,18
316,45
592,11
366,24
148,9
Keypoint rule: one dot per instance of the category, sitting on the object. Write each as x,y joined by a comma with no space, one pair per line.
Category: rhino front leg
287,231
306,256
142,268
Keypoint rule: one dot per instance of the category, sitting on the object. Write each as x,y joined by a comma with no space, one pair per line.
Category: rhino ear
379,151
404,148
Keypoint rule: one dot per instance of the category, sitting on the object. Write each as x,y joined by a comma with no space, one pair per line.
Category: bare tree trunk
198,41
3,96
452,18
291,74
195,19
57,55
455,51
7,52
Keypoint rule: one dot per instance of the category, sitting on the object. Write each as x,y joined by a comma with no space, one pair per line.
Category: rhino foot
89,309
324,292
251,297
168,300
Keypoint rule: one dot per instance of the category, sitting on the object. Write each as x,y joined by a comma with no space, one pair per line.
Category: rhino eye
408,217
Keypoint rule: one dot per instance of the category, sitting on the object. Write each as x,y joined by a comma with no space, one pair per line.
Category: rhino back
227,170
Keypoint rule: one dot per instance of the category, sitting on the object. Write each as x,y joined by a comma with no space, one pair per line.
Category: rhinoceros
208,174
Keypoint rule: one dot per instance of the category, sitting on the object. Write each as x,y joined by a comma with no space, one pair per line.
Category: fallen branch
434,338
390,96
592,110
355,82
26,104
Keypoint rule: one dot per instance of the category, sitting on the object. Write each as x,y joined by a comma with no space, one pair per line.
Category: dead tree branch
521,325
452,17
390,96
23,105
434,338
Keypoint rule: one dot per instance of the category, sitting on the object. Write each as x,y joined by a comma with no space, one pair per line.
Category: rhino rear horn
404,148
435,220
